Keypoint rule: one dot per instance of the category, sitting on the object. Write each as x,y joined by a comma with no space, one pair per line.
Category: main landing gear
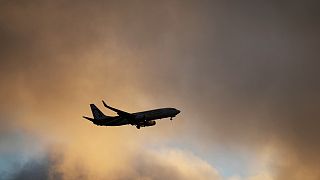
138,127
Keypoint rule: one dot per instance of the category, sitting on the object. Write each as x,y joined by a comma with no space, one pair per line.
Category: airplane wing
119,112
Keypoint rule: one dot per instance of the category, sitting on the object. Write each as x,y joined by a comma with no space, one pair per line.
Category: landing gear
171,118
138,127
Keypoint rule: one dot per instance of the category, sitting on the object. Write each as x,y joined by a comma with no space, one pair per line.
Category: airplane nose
178,111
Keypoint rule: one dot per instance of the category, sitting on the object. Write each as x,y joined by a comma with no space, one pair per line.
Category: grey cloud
250,73
35,169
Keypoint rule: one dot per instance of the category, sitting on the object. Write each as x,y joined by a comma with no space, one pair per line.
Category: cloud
36,169
248,79
172,164
152,164
244,74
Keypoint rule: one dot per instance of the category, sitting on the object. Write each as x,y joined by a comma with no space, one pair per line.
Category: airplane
138,119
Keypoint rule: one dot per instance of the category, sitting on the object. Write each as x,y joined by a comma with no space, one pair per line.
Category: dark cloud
249,71
35,168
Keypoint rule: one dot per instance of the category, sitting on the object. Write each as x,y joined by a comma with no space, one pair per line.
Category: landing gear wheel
171,118
138,127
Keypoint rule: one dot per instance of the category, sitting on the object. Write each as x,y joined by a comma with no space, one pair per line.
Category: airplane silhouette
138,119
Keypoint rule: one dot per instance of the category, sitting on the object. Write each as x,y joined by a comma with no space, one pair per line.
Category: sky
245,75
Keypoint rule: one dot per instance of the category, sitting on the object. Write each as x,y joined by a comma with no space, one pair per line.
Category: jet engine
149,123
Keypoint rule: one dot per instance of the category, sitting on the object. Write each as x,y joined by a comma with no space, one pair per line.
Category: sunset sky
245,75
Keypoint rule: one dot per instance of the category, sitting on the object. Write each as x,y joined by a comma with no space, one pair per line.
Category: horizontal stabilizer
90,119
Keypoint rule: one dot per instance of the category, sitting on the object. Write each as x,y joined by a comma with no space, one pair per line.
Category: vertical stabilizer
97,114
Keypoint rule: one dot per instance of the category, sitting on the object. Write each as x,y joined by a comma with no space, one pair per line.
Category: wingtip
104,103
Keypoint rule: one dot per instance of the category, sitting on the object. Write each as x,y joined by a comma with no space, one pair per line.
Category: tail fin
97,114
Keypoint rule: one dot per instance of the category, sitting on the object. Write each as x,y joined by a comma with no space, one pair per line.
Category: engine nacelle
149,123
140,118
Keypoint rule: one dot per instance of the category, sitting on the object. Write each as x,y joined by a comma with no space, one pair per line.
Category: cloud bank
245,75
